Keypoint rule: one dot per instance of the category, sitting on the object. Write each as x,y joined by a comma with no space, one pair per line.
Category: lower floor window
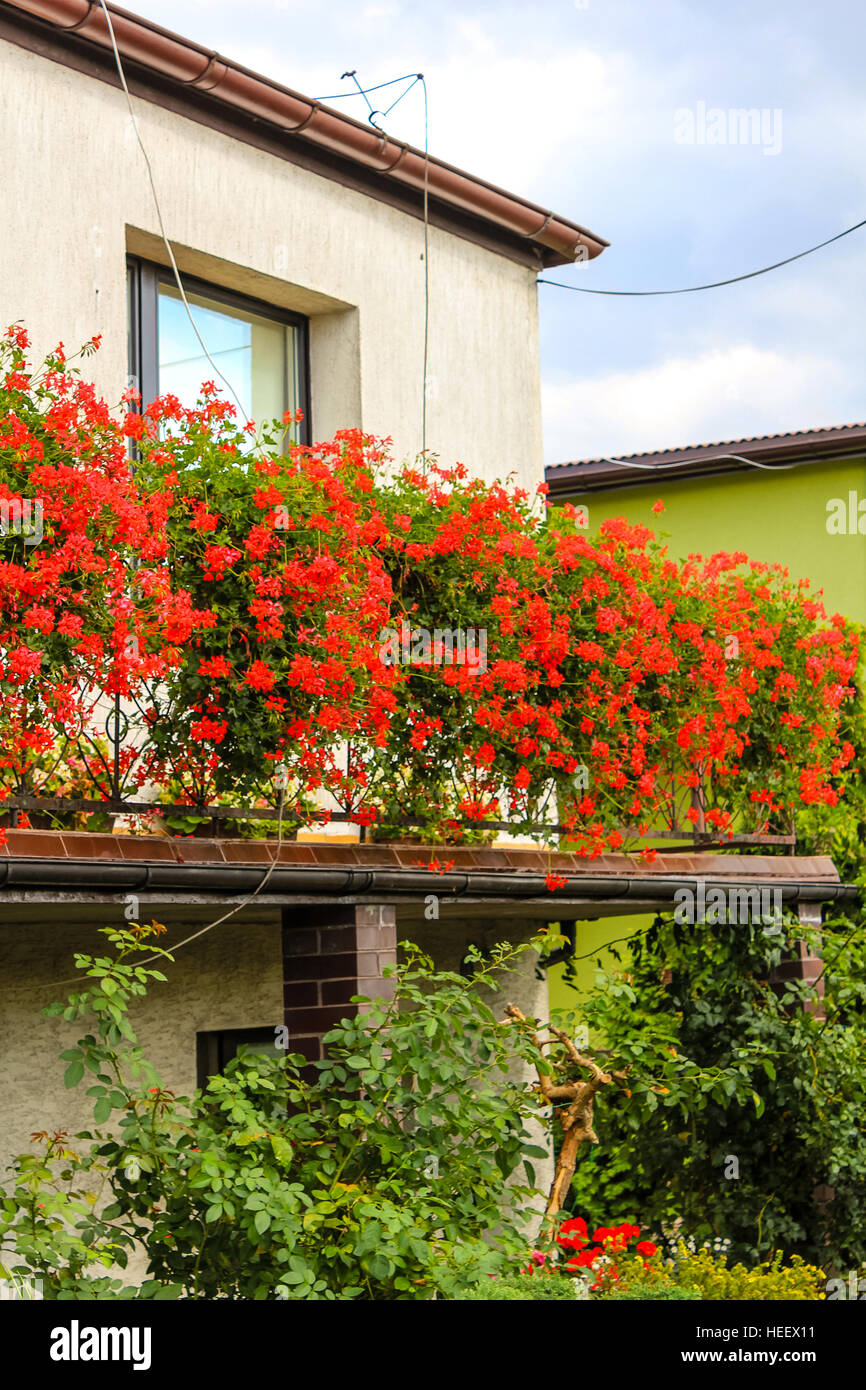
215,1050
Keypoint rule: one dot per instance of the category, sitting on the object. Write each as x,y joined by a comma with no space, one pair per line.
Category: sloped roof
306,128
767,451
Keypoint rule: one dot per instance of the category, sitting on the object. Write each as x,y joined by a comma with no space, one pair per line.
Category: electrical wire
343,96
363,91
354,78
121,74
254,894
245,902
419,77
426,267
716,458
715,284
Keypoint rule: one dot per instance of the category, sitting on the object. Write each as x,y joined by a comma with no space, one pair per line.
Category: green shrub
797,1124
379,1177
650,1292
519,1288
705,1274
710,1276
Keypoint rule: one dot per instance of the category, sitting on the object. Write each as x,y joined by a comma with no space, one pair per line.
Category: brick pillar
801,963
329,954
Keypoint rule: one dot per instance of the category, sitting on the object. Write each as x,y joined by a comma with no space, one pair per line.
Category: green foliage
651,1068
748,1172
520,1288
742,1158
659,1084
645,1293
380,1177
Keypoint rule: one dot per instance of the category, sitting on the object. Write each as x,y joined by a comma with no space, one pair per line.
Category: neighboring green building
724,497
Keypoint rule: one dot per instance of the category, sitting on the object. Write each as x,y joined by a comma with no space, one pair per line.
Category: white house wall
76,199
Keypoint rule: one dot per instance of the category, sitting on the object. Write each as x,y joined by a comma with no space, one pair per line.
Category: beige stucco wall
76,198
230,978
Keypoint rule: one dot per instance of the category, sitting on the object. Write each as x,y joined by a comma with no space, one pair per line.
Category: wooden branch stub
576,1118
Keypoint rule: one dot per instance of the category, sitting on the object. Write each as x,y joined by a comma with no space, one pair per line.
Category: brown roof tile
484,860
794,436
35,842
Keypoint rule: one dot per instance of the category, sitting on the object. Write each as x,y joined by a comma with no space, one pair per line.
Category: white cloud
727,393
485,107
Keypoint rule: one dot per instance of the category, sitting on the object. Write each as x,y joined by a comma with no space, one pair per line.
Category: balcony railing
110,767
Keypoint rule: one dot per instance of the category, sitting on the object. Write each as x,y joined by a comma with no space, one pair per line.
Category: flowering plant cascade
277,555
242,589
87,607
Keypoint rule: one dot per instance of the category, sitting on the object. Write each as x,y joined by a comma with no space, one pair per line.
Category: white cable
683,463
237,908
171,258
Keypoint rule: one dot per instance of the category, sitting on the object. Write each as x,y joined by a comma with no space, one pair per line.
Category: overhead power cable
714,284
413,78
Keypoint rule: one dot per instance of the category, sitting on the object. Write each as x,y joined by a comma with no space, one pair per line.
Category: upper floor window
260,350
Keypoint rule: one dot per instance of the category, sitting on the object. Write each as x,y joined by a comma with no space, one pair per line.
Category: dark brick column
329,954
802,964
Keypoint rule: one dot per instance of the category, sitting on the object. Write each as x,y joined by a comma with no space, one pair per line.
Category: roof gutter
120,876
204,70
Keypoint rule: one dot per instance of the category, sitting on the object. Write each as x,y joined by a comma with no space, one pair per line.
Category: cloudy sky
615,113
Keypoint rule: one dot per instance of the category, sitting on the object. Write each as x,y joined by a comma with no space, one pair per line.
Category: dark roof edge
308,132
836,444
22,872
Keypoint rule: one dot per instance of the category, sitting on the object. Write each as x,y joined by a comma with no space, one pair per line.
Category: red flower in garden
217,559
23,663
40,618
260,677
554,881
572,1234
585,1259
608,689
202,519
215,666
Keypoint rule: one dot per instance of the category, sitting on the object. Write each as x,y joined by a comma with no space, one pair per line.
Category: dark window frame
143,282
214,1050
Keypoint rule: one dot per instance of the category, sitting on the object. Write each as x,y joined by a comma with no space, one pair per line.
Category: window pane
257,355
259,1049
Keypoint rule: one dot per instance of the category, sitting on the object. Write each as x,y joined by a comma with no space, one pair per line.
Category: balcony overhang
44,867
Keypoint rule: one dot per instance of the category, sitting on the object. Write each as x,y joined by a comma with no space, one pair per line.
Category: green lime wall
771,517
